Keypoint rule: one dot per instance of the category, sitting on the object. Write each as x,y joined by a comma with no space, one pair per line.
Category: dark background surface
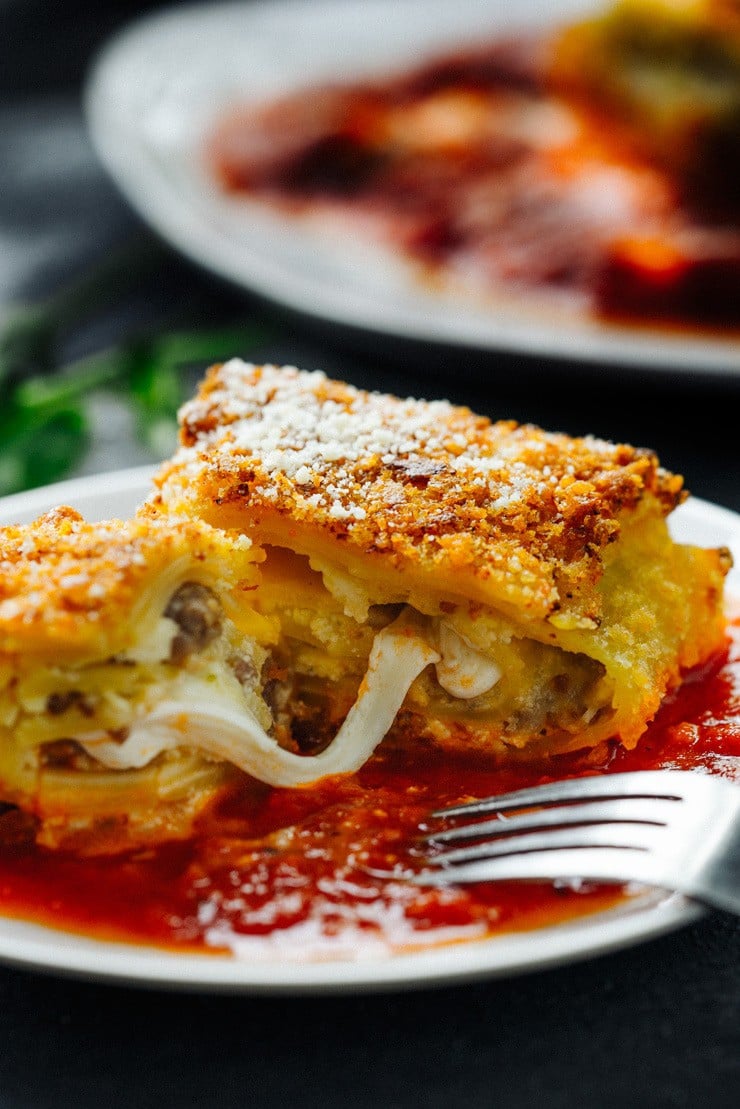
656,1025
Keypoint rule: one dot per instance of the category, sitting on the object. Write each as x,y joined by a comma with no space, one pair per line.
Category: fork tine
605,864
607,834
633,810
645,783
692,847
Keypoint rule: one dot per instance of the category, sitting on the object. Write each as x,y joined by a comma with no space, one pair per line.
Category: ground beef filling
197,612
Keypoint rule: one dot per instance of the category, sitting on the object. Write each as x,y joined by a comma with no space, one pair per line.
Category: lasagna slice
137,678
133,637
432,575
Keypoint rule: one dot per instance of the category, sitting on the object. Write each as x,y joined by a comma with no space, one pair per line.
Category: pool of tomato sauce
298,865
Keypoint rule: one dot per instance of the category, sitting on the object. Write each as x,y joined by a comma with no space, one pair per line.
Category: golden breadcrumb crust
499,512
69,587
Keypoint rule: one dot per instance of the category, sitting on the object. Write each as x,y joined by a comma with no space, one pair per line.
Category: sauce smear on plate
293,872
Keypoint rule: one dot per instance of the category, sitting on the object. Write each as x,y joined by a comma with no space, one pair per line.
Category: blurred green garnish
44,427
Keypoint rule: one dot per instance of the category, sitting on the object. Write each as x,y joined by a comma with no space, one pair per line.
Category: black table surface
657,1024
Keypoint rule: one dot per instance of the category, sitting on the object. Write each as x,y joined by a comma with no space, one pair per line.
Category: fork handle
718,881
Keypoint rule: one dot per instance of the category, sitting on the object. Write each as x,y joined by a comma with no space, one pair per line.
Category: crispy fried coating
501,513
76,588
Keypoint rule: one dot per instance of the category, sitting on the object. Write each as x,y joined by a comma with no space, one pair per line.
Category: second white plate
158,86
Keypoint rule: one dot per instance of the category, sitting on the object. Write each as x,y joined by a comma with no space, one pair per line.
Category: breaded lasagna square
321,569
532,573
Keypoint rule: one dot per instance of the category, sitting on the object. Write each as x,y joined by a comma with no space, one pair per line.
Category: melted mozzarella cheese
399,654
463,671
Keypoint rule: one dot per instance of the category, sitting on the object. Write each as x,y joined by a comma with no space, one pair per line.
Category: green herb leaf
156,393
39,447
43,425
74,381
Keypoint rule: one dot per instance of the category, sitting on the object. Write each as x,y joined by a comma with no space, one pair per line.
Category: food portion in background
668,71
595,165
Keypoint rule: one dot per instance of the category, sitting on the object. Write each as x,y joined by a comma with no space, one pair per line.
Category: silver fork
676,829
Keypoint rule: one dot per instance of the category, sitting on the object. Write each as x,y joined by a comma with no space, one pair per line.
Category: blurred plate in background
160,85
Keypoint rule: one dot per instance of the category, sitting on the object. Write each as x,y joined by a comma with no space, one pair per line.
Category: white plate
42,948
159,84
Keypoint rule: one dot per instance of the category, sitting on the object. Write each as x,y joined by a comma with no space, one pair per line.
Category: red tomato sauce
296,870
